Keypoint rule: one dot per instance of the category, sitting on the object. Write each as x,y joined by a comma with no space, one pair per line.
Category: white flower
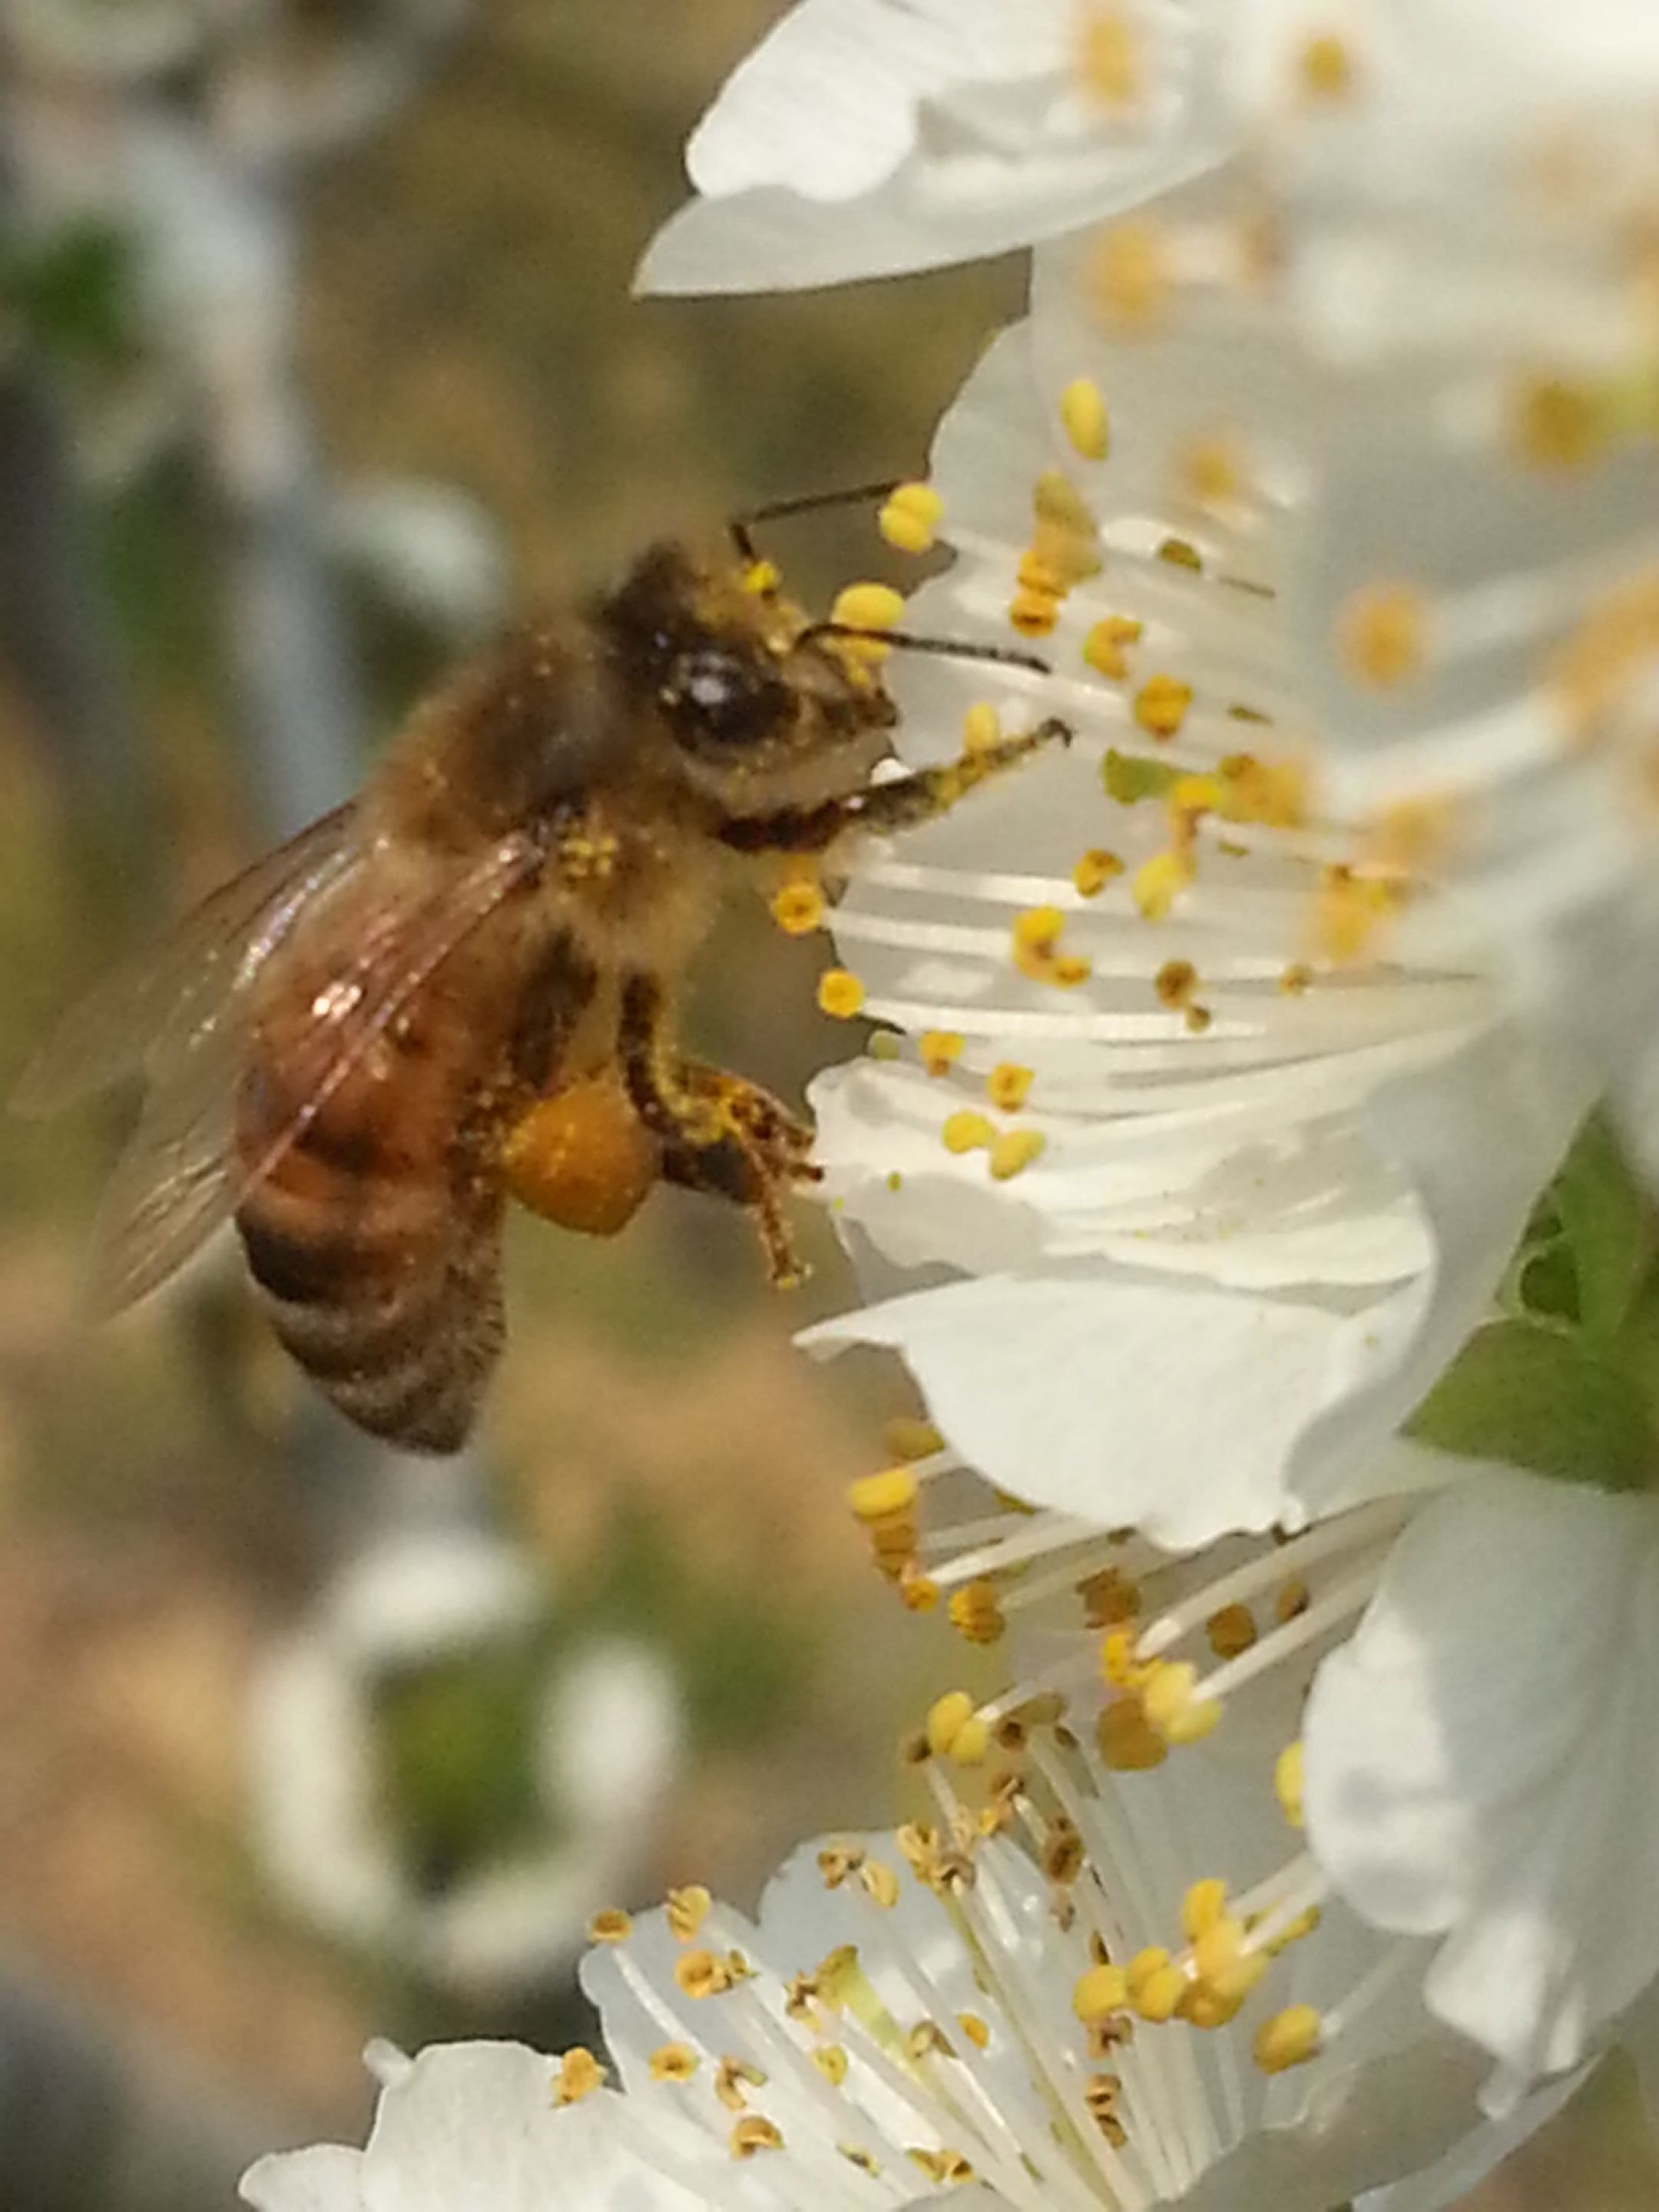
1030,2003
1221,1093
867,137
607,1728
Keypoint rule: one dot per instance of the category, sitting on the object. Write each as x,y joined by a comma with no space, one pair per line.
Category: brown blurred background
438,298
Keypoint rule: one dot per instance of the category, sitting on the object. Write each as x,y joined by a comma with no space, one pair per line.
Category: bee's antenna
952,648
742,526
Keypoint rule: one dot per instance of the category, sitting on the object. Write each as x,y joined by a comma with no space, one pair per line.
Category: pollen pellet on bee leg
582,1158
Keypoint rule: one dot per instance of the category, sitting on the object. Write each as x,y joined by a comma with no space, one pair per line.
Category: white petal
324,2178
1478,1761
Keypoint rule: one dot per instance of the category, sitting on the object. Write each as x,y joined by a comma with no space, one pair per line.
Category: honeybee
460,986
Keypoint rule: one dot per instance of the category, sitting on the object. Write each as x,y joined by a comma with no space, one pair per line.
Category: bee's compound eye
720,697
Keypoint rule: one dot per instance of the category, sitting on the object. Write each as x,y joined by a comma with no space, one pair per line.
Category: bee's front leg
718,1133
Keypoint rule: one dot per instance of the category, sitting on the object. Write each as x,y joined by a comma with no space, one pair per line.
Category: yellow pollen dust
1102,648
1289,2039
1380,634
687,1910
611,1926
1287,1783
1084,418
1161,706
1013,1151
1557,425
1109,57
1129,277
1009,1085
910,520
939,1050
1325,68
798,908
673,2061
580,2075
1095,870
867,606
840,993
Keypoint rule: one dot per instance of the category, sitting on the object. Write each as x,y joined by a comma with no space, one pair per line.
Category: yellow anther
1069,970
1350,910
1159,882
1037,932
1067,537
733,2078
837,1861
1161,706
1176,981
1095,871
1158,1995
1289,2039
1192,796
947,2169
1129,275
1102,1990
701,1974
1232,1983
831,2062
946,1718
1118,1663
868,606
1008,1086
918,1592
1294,1931
798,908
981,728
974,1612
751,2134
1109,1597
1192,1723
1203,1906
1203,2006
1109,55
967,1132
1141,1968
1558,425
1219,1949
1287,1783
1210,471
911,518
686,1911
1325,68
1232,1631
1033,613
879,1883
908,1436
1035,573
974,2029
885,1496
580,2075
1013,1151
1103,647
840,993
1171,1706
1254,791
611,1926
1084,418
673,2061
939,1050
1127,1744
1381,634
971,1745
1296,979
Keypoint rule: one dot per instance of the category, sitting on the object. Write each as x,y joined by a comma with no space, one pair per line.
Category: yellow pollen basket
583,1158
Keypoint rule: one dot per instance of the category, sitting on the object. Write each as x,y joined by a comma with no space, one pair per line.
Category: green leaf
1605,1218
1542,1400
73,291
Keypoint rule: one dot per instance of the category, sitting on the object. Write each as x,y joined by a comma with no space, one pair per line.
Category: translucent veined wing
145,1014
178,1179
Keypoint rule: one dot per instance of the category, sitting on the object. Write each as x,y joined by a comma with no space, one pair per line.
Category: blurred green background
440,298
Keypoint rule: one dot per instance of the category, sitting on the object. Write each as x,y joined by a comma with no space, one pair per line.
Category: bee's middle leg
718,1133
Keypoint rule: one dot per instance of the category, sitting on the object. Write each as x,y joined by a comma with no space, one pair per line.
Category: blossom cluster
1233,1164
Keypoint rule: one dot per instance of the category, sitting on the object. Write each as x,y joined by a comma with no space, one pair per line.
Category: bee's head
755,711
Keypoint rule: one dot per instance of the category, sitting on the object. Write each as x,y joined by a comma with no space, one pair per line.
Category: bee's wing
147,1014
178,1179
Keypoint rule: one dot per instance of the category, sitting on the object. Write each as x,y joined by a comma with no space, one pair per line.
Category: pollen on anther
1289,2039
840,993
580,2075
1287,1783
967,1132
611,1926
686,1911
909,521
1161,706
1095,870
1008,1086
974,1612
1084,418
939,1050
753,2133
1108,58
673,2061
1102,648
1129,275
1013,1151
1325,68
798,908
981,728
1380,634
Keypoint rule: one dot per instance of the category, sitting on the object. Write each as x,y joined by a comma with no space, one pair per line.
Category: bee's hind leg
718,1133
